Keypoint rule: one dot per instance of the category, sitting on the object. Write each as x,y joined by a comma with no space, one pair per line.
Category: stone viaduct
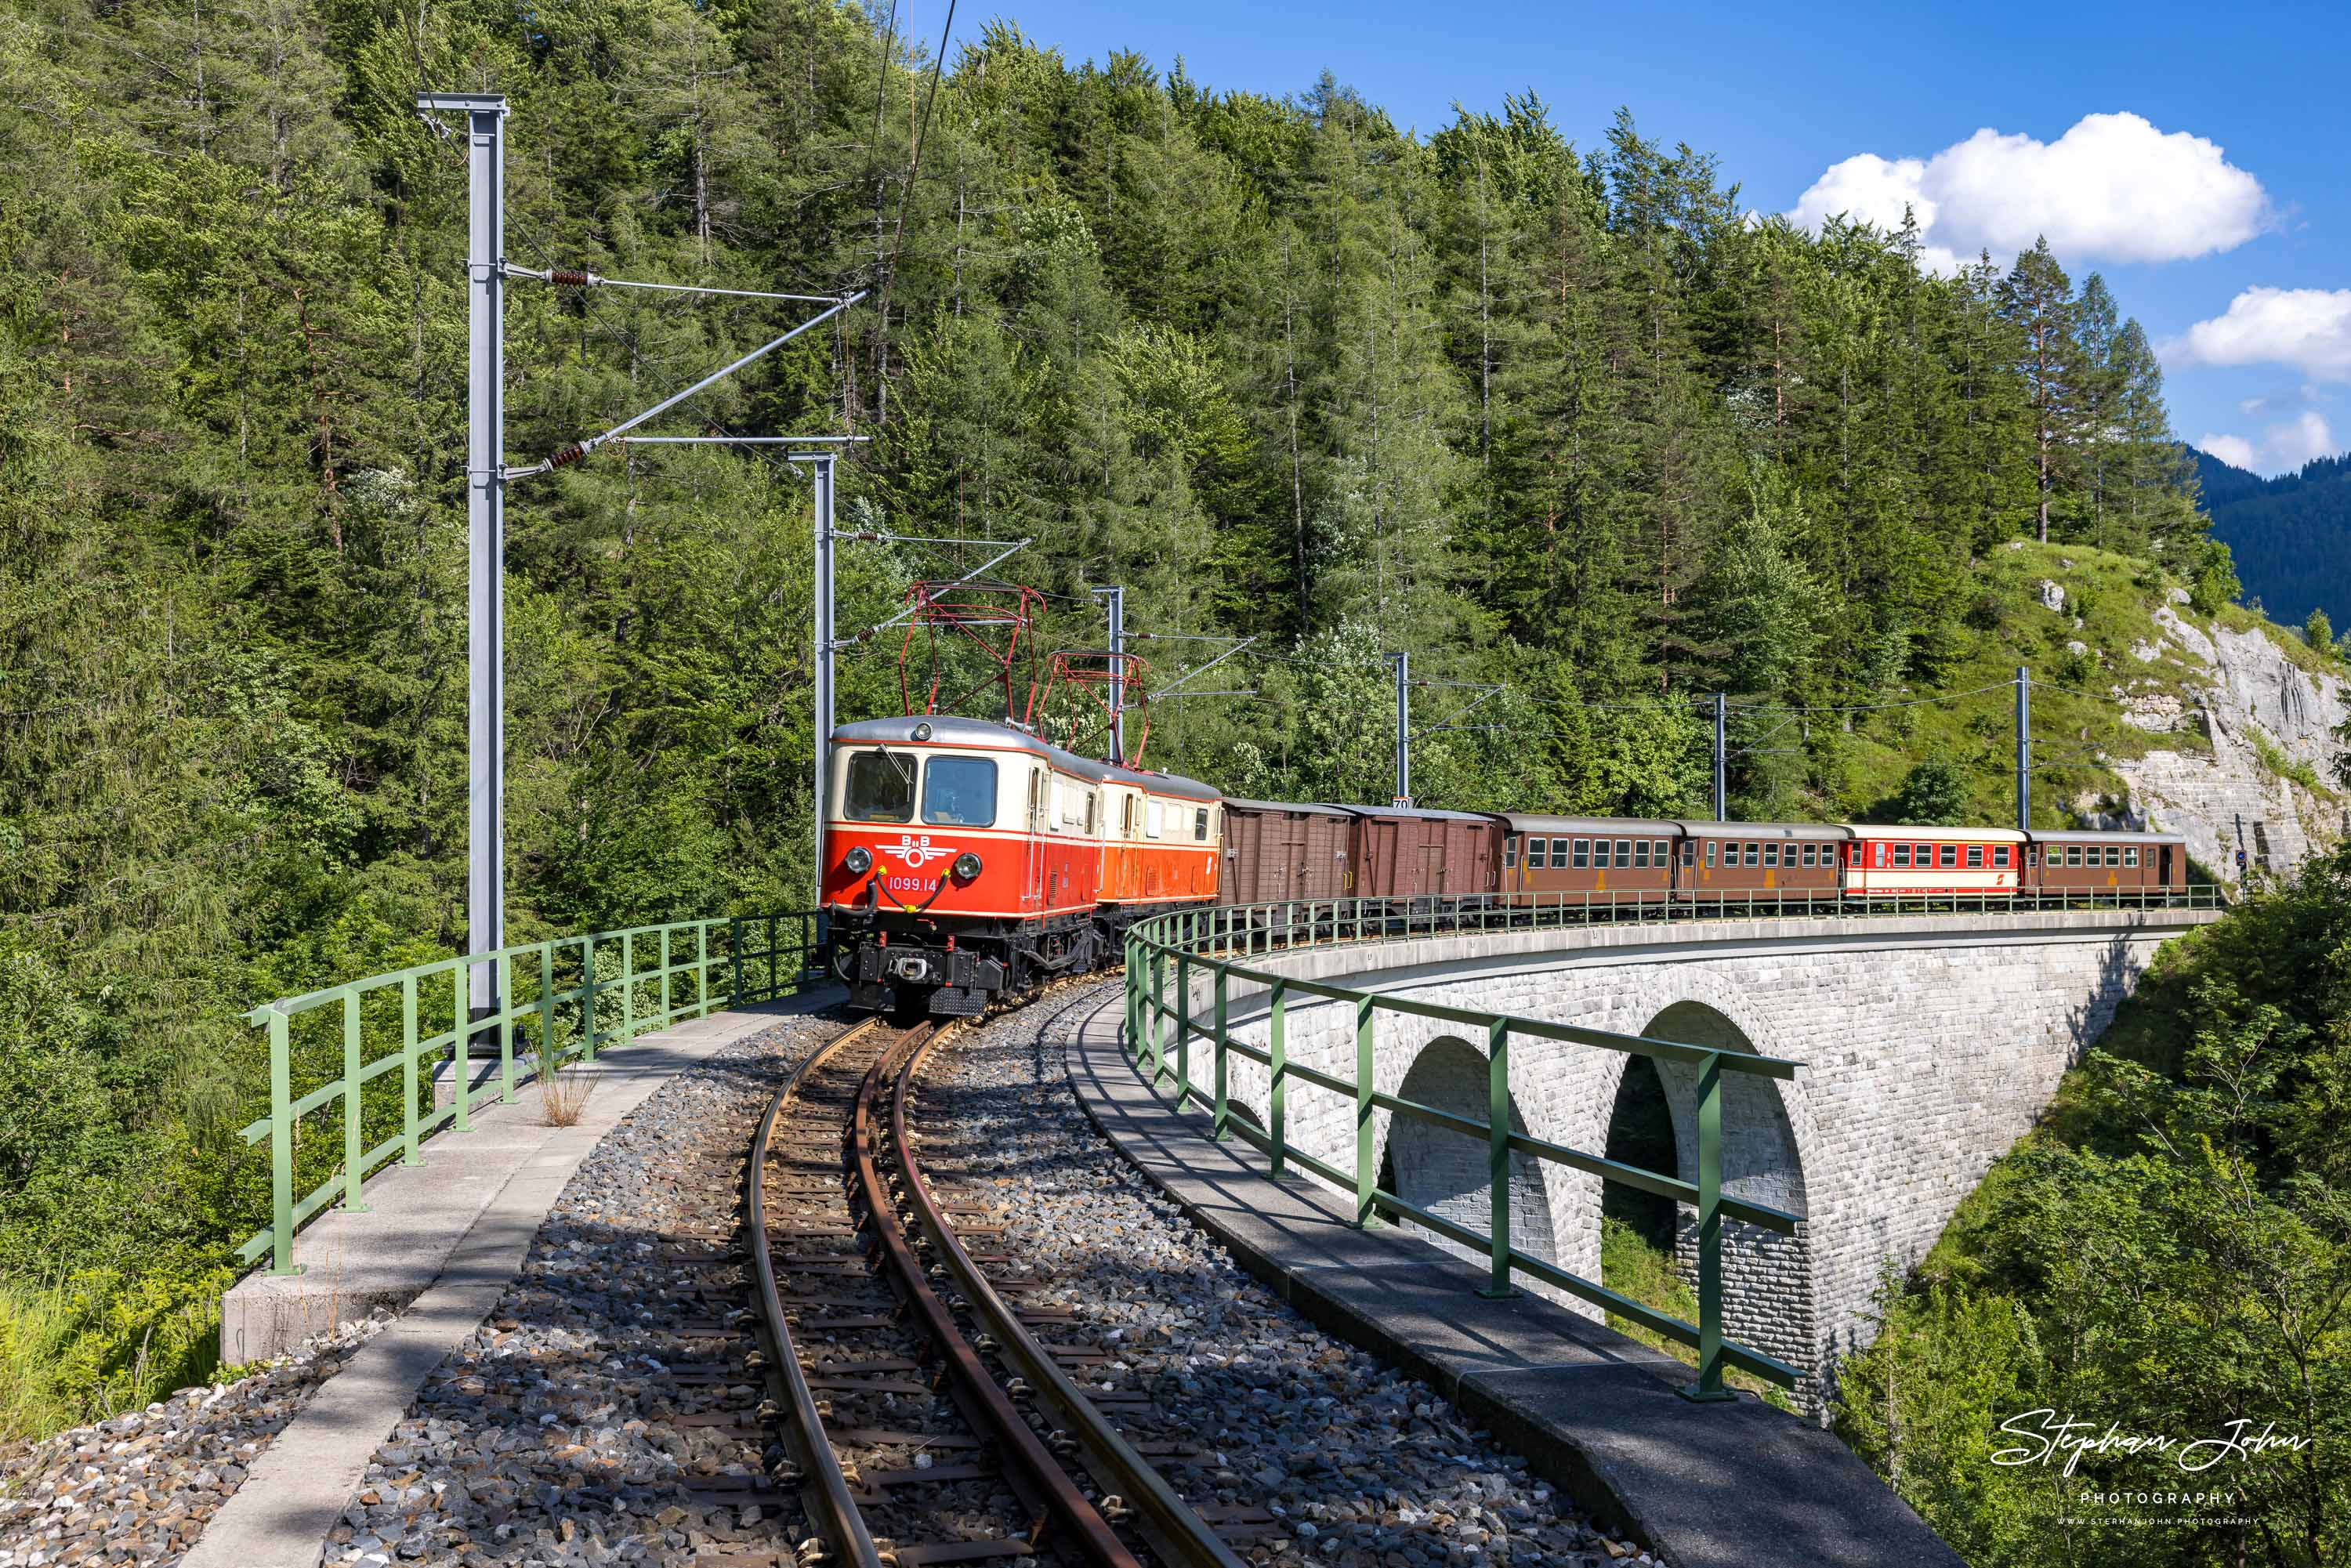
1928,1045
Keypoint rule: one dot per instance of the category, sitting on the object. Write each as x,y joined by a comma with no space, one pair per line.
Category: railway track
924,1414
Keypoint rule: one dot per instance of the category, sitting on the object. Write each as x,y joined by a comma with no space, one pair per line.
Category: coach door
1036,890
2164,862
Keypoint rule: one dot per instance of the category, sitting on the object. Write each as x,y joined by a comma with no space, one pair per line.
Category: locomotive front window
959,792
1902,856
1200,825
881,787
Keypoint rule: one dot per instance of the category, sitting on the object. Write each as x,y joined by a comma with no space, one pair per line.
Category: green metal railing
571,998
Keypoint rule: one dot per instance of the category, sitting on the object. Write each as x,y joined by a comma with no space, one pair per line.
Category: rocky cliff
2269,725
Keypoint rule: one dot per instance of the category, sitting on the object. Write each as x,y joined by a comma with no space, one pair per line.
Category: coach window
1559,854
1709,855
1510,853
1753,849
2130,854
881,787
1809,852
1535,853
1902,856
2114,855
1689,852
1771,856
1660,852
959,791
2000,857
1200,825
1640,855
1975,857
1624,854
2073,854
1948,857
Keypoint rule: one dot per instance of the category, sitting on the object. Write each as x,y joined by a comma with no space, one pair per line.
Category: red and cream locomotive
963,859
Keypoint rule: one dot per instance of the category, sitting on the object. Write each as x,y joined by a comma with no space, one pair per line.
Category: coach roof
1830,831
1530,822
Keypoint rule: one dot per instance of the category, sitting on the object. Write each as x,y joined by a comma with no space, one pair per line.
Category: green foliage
1933,794
2318,630
2171,1254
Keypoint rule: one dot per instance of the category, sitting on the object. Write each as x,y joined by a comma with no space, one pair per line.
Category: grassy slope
2076,723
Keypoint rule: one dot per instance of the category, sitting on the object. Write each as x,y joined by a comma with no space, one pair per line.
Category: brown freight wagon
1546,857
2064,861
1275,851
1397,853
1739,858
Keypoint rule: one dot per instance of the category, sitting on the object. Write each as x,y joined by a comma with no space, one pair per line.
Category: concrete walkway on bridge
1731,1485
439,1244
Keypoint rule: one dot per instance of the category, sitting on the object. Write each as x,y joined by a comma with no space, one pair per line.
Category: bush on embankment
2168,1255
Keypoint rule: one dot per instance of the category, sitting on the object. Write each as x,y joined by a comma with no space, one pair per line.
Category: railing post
354,1142
1708,1385
702,968
735,960
1182,1024
1497,1154
628,986
547,1054
281,1141
774,984
588,999
1365,1174
1158,1015
461,1051
1224,1129
408,1154
506,1028
667,1006
1276,1110
1133,1000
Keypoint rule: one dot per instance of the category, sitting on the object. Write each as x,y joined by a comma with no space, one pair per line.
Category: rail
581,995
1207,942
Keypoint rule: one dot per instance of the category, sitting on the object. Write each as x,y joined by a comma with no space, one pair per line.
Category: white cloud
2309,328
2234,450
2112,188
2286,445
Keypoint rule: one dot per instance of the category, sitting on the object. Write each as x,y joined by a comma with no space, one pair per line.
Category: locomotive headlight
966,866
859,860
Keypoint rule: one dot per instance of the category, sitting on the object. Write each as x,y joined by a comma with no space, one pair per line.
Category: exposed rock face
2252,695
2052,597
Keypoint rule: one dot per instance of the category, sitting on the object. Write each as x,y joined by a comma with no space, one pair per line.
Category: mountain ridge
2287,533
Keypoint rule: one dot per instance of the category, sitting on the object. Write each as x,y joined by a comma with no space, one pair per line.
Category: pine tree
2037,298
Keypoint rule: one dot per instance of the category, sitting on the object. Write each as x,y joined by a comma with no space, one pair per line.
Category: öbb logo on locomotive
1054,855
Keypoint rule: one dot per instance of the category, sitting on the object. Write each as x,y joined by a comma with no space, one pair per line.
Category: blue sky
2220,213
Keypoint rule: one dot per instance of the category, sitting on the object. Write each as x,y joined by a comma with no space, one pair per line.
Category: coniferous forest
1568,423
